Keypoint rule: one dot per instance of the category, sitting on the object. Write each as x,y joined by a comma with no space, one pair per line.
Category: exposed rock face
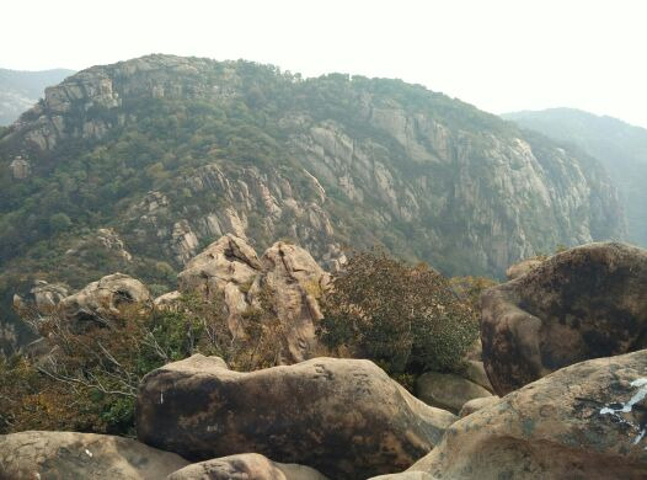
346,418
286,275
70,455
521,268
249,466
587,302
447,391
585,421
44,296
105,299
20,168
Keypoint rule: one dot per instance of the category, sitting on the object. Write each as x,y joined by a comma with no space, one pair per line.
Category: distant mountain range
135,167
620,147
19,91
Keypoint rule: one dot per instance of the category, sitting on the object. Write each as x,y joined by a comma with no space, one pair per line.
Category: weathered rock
477,404
286,276
248,466
106,299
44,297
294,282
71,455
475,372
346,418
447,391
586,302
519,269
586,421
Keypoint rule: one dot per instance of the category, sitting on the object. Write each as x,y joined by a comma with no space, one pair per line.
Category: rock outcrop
248,466
285,280
586,421
70,455
105,299
345,418
583,303
447,391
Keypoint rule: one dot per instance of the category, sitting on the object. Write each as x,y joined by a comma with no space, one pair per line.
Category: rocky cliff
171,153
620,147
19,91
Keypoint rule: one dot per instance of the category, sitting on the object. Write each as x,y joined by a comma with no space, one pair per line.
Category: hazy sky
500,55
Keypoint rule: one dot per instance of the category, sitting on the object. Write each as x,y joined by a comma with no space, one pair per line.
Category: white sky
500,55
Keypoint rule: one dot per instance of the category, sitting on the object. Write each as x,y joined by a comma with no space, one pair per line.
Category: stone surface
477,404
519,269
71,455
583,303
447,391
345,418
248,466
475,372
105,299
285,276
583,422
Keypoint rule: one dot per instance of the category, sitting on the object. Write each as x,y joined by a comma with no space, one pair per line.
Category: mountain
136,166
21,90
620,147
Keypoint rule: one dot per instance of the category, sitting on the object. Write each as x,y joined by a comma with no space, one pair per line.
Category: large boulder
447,391
248,466
346,418
110,297
519,269
71,455
286,280
586,421
583,303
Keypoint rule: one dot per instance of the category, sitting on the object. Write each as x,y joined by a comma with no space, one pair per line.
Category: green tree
406,318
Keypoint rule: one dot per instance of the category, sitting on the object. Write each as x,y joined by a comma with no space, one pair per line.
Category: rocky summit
170,153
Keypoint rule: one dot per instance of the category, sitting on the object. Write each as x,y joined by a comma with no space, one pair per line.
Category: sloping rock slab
447,391
72,456
248,466
584,422
345,418
587,302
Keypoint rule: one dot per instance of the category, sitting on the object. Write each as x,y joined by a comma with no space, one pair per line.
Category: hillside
136,166
620,147
21,90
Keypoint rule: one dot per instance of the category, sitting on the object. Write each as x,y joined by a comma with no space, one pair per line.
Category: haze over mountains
19,91
620,147
136,166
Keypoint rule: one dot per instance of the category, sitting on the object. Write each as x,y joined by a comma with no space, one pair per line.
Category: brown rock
346,418
447,391
519,269
286,275
248,466
295,282
584,303
586,421
477,404
71,455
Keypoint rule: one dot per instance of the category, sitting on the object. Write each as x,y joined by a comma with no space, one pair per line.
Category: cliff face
621,148
174,152
19,91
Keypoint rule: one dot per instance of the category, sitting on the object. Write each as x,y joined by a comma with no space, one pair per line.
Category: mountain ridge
168,153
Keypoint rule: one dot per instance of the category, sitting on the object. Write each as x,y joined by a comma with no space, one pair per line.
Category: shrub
406,318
